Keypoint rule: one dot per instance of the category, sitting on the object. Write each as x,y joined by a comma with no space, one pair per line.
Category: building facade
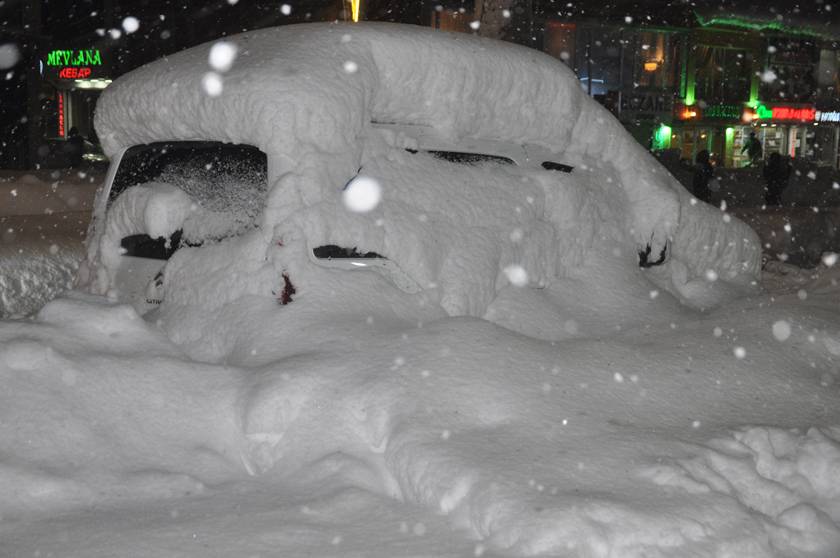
709,84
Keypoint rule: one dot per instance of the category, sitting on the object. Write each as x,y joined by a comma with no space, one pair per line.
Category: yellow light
354,9
651,66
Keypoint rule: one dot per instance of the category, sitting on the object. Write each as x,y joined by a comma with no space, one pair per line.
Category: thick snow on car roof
306,94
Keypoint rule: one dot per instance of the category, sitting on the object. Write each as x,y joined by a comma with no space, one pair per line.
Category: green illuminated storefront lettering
88,57
762,112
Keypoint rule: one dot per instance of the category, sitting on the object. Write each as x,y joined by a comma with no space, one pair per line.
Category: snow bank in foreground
289,94
686,434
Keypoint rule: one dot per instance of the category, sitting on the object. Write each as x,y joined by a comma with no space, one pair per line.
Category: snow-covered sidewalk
43,221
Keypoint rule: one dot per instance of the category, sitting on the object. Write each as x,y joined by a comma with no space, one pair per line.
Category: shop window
598,63
828,73
654,60
791,74
450,20
723,75
560,41
824,145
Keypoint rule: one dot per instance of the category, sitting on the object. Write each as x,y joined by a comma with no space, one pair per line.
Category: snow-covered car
469,174
226,185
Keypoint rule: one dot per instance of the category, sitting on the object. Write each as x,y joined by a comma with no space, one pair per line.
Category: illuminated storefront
828,136
796,131
707,127
74,78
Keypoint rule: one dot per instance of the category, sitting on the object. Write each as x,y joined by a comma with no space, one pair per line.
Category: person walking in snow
776,173
703,173
753,149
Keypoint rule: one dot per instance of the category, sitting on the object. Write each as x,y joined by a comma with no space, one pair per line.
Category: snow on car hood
305,95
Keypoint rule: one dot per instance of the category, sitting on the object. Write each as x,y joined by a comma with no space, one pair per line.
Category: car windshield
222,178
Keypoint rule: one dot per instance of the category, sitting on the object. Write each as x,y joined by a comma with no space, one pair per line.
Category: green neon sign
86,57
727,112
763,113
756,24
662,137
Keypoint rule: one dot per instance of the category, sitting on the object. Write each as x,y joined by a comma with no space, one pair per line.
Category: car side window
560,167
228,180
465,158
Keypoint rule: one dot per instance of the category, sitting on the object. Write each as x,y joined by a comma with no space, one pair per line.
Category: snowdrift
351,431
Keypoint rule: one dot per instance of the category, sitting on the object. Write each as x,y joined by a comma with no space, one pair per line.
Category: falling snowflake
286,9
9,56
474,25
829,259
362,194
350,67
781,330
222,54
212,84
130,24
517,275
739,352
768,76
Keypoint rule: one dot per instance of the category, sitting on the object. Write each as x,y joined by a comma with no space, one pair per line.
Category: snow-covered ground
43,221
44,217
342,429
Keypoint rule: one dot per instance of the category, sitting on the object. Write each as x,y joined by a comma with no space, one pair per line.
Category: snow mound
788,476
465,430
27,281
